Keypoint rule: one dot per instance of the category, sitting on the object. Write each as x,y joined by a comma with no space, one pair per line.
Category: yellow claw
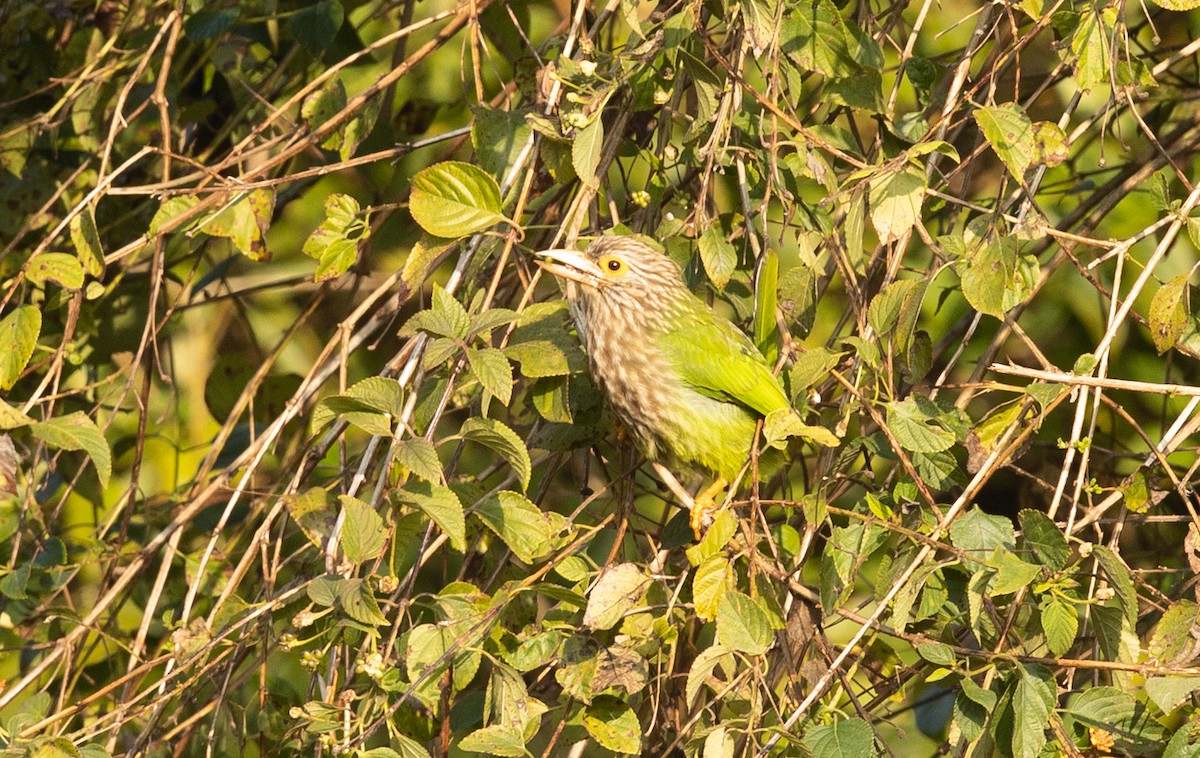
704,505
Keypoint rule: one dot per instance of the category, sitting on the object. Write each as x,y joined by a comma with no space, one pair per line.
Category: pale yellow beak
571,265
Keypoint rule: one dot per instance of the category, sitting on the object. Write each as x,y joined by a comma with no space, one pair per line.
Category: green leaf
1168,314
14,583
86,239
986,274
980,532
849,738
585,151
782,424
1121,581
1120,714
766,300
723,528
358,601
313,512
491,369
324,590
614,725
402,747
718,256
320,107
972,708
18,335
76,431
1167,692
11,418
918,427
704,669
742,625
895,199
713,579
1033,701
1010,133
1012,573
1060,623
363,532
314,26
61,268
453,199
209,24
615,593
814,38
419,456
171,209
518,522
496,739
441,505
336,242
495,436
1090,45
936,653
1173,642
498,137
1044,538
243,217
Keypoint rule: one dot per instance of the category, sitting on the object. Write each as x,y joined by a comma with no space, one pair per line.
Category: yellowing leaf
18,334
1010,133
86,239
243,218
1168,314
336,242
61,268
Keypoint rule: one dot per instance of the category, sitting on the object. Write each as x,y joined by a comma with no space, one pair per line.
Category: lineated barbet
686,383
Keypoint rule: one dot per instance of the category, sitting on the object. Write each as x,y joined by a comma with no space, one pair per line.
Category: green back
715,359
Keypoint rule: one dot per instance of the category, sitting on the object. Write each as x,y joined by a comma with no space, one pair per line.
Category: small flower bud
640,198
661,96
587,67
303,619
1105,593
670,152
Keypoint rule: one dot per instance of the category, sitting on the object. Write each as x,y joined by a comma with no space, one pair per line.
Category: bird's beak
571,265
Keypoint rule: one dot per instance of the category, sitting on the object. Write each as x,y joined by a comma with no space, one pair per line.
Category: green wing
717,360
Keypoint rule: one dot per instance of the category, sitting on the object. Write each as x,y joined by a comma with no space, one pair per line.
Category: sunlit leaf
454,199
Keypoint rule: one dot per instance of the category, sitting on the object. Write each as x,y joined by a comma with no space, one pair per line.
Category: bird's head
617,269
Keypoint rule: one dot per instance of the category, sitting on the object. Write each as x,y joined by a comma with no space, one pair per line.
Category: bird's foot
705,507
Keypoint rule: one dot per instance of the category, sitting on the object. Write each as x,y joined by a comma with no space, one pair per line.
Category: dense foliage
302,455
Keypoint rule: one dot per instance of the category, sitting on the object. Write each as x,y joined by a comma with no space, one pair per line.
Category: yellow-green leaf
454,199
61,268
86,239
18,334
76,431
1168,314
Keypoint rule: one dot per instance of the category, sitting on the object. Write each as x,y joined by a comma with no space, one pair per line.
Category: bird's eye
613,264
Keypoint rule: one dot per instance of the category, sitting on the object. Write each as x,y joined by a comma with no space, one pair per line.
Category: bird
686,384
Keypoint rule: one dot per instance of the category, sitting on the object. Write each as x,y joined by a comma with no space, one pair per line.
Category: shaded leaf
363,532
441,505
496,436
616,591
76,431
518,522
